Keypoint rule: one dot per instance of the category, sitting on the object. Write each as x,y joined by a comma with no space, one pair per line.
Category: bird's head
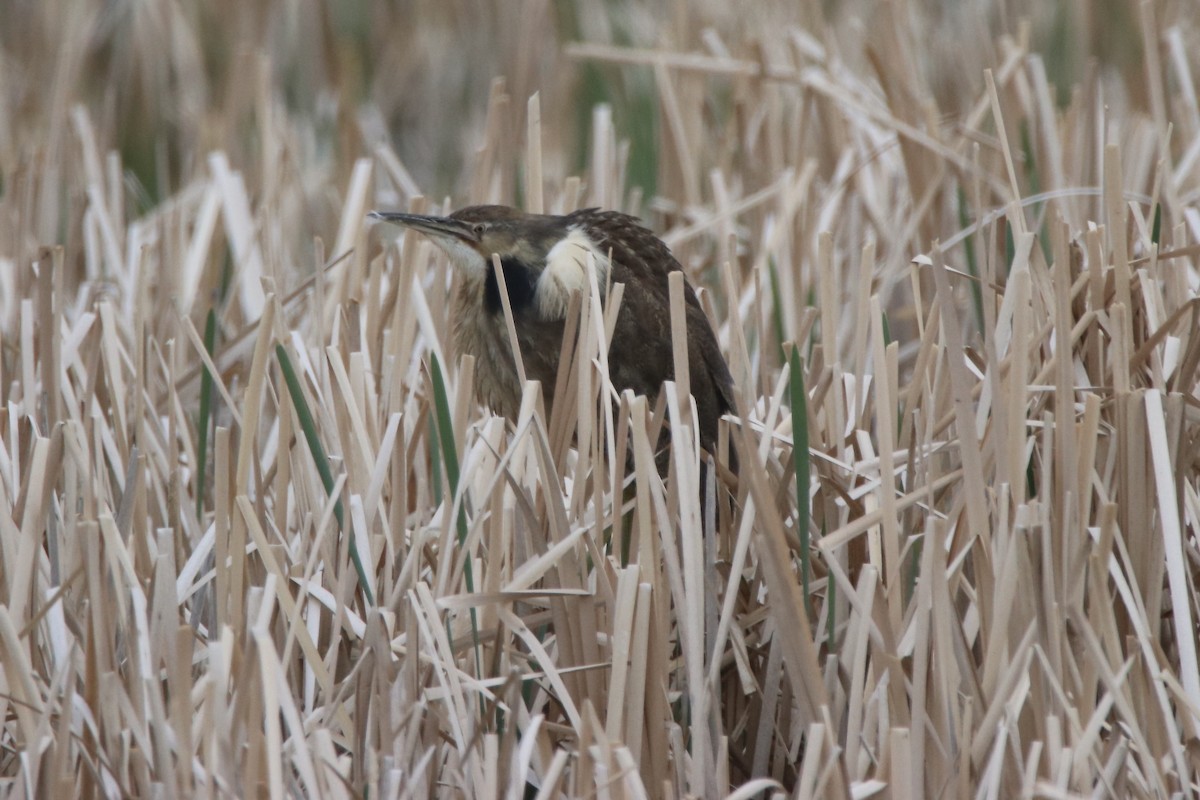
546,256
470,236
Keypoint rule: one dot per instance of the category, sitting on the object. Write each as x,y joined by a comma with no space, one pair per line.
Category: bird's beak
437,227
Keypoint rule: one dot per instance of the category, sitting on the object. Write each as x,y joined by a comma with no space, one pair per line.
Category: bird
545,258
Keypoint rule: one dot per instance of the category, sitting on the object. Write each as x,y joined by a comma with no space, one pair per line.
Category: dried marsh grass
259,539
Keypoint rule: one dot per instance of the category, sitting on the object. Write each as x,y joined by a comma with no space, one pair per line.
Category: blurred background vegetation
167,82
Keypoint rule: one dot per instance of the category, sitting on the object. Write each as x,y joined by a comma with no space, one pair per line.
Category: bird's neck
568,267
519,279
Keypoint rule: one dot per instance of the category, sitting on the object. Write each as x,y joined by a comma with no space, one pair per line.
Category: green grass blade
203,424
309,426
449,451
799,408
444,425
972,264
776,306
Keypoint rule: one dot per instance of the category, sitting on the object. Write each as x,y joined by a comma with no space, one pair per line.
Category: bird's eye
478,228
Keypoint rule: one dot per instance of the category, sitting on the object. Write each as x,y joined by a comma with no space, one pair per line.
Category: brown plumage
544,258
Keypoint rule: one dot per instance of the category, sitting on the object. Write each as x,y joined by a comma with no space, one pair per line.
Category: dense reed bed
258,539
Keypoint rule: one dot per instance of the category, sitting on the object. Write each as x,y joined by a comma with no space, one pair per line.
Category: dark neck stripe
520,280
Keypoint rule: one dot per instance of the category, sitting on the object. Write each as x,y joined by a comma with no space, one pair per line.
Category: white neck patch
461,254
566,271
